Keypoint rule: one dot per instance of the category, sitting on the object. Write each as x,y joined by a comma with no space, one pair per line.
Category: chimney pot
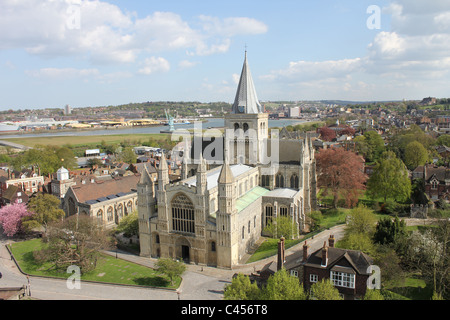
324,254
331,241
281,254
305,251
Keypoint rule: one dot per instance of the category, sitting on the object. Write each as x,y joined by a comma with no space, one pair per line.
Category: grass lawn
414,288
84,140
109,269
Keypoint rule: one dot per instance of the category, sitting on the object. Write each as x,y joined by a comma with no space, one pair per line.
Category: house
30,181
14,194
347,269
436,180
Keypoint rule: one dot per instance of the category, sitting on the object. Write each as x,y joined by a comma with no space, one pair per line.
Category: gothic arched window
294,181
269,214
110,214
279,181
183,214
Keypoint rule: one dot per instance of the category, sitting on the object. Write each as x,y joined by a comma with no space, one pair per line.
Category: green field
109,269
85,140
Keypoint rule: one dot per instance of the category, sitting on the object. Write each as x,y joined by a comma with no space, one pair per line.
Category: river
210,123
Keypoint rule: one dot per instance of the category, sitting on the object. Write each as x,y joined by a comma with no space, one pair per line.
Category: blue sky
96,53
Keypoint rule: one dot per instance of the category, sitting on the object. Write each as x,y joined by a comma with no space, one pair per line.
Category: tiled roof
104,189
357,259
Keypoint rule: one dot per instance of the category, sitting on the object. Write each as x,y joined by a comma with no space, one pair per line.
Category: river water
210,123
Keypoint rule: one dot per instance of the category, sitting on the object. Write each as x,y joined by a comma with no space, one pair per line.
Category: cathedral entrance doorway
185,253
183,249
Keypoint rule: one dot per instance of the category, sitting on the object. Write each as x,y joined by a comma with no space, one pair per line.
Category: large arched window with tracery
183,214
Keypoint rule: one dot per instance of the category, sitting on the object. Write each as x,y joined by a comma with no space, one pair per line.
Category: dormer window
434,184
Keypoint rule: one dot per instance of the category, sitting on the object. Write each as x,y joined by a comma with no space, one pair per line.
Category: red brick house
437,181
347,269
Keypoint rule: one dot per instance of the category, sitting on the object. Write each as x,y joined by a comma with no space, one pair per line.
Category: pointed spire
163,162
226,176
201,164
246,100
145,179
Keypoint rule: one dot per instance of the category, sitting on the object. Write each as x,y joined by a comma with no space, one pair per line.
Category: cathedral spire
246,100
226,176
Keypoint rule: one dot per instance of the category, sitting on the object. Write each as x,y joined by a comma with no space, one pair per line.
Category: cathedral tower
248,122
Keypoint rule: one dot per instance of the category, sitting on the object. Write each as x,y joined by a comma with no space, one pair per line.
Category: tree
389,178
281,227
324,290
46,210
94,162
375,145
47,158
66,157
11,217
361,220
129,225
358,241
388,229
77,240
415,155
128,155
373,294
171,268
340,172
283,286
241,288
327,134
428,253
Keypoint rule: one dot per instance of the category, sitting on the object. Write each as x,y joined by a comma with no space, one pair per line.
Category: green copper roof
250,197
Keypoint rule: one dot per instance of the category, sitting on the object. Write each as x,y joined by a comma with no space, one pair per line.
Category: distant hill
345,103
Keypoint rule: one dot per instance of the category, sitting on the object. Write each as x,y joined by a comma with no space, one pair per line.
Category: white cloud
103,33
185,64
154,64
233,26
412,59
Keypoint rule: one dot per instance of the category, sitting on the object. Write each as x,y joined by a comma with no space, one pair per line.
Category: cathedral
226,198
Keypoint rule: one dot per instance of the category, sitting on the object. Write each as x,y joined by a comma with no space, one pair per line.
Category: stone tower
163,181
227,253
146,210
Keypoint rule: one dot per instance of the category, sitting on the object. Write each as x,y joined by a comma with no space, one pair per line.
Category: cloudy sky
110,52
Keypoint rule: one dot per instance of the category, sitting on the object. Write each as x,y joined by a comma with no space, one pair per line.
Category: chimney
281,257
324,254
305,252
331,241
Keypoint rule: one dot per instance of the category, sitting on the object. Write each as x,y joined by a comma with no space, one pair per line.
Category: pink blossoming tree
11,218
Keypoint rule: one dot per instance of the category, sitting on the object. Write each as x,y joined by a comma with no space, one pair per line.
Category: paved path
199,283
14,145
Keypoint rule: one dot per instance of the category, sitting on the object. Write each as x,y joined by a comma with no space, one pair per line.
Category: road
199,283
